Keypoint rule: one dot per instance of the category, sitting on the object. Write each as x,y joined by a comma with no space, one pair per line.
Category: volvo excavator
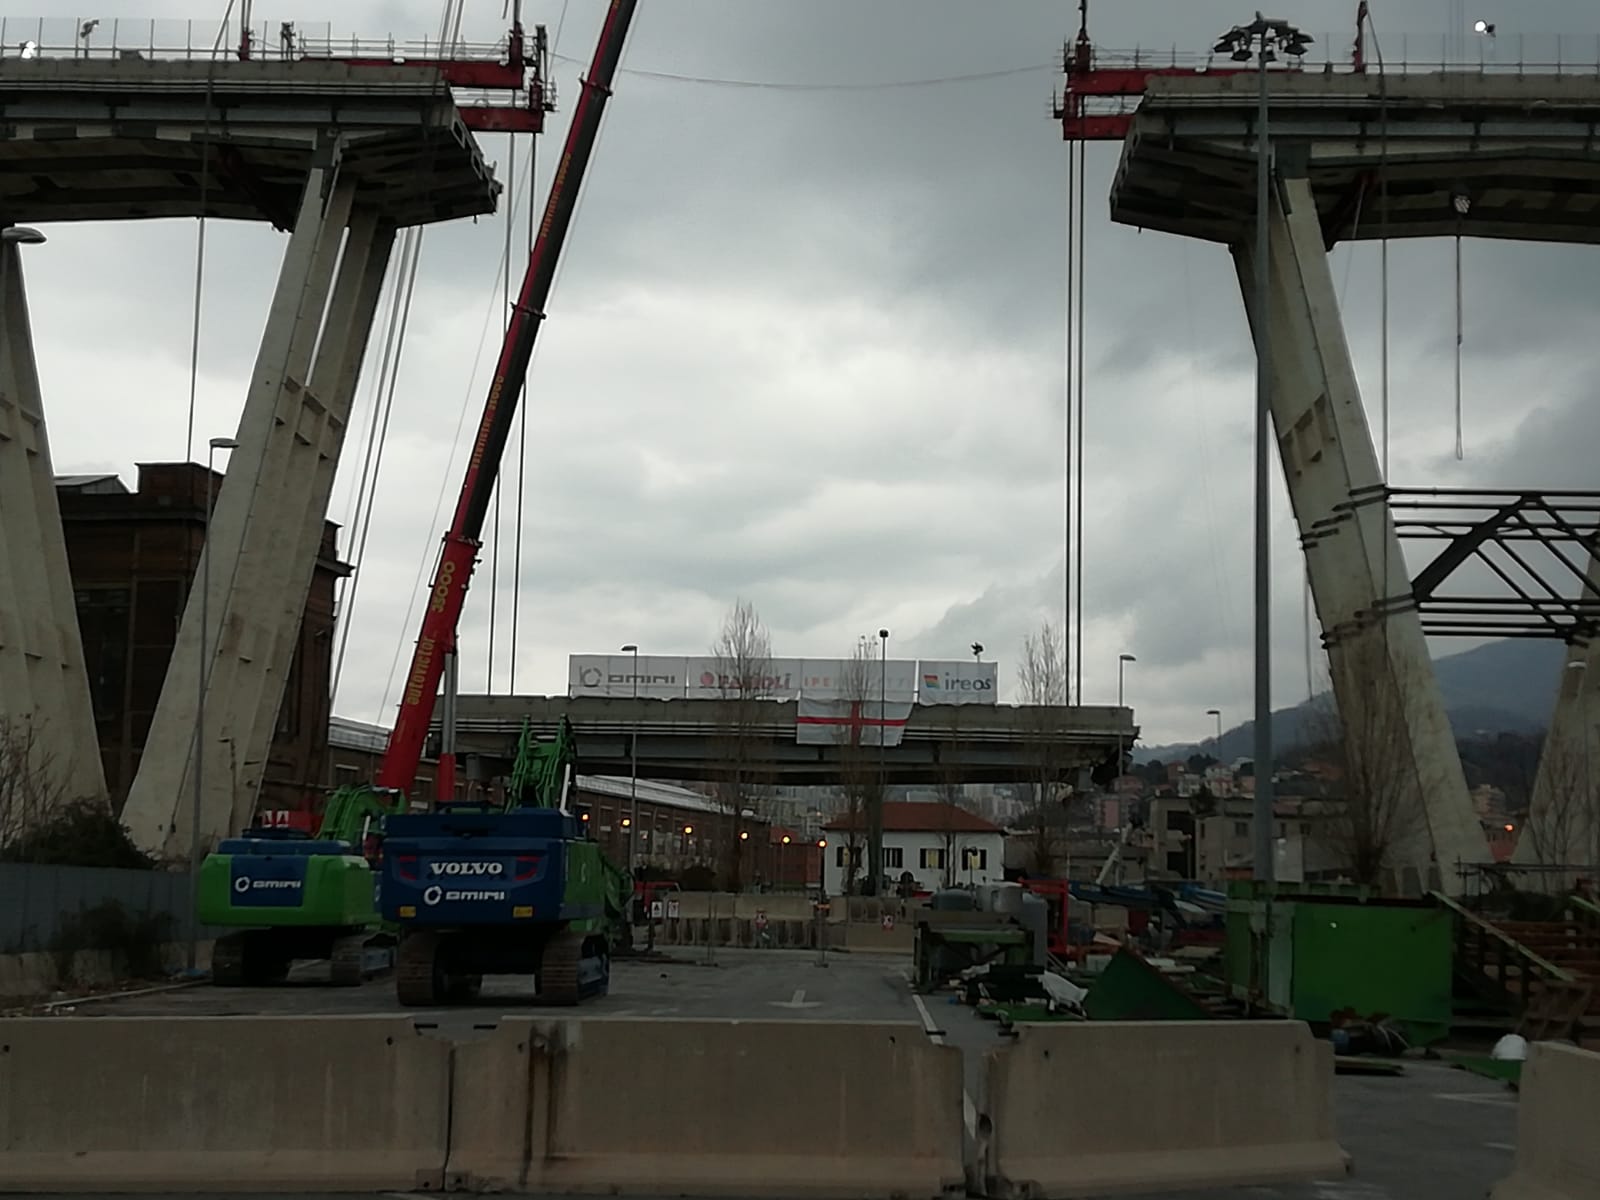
518,889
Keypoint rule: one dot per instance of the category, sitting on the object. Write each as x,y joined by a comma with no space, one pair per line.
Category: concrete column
1389,701
253,531
44,689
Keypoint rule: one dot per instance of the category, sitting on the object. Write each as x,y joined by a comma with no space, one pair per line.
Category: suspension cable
1083,171
1066,402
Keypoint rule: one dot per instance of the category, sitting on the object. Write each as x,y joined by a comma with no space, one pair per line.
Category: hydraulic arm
459,554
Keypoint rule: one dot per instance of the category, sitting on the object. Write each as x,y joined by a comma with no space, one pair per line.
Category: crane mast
459,553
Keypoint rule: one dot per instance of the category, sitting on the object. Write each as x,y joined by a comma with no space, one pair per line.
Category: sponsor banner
267,881
709,680
963,682
836,722
660,677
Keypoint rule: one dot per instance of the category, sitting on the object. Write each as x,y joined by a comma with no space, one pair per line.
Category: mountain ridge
1506,686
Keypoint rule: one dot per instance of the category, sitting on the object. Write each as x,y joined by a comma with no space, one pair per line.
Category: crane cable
505,308
424,559
401,289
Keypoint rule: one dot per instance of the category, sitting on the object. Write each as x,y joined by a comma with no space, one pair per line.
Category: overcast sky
807,348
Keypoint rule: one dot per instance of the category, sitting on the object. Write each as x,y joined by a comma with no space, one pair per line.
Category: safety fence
39,905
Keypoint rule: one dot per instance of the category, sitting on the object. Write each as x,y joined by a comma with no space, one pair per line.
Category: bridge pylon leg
44,689
1400,746
1562,828
261,557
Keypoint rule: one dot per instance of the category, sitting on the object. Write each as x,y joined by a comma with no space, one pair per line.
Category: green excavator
288,895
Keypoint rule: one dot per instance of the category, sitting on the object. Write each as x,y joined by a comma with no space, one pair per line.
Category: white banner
959,682
835,722
660,677
707,680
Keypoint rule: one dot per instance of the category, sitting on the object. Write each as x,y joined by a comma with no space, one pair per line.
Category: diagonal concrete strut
44,689
1391,708
266,530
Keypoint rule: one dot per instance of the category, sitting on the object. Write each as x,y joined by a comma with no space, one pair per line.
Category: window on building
1241,829
932,859
973,859
893,858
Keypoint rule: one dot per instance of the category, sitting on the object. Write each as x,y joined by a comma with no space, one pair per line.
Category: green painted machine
292,896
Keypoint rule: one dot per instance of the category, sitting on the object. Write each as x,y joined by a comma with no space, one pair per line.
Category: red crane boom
459,554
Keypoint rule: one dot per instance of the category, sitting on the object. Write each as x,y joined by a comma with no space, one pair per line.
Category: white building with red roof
937,845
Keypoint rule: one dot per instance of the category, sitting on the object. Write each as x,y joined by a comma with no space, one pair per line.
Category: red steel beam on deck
1079,124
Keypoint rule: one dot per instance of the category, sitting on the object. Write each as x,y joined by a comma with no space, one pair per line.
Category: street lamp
1122,663
1217,713
1262,39
875,845
205,678
977,651
633,769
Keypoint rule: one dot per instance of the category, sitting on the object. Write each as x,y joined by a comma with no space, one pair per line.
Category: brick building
132,556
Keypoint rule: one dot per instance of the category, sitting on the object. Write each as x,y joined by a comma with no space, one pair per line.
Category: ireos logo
466,868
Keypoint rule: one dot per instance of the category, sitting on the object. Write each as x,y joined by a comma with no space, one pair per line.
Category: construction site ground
1432,1133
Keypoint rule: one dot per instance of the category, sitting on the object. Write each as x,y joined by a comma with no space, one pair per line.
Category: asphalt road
1431,1134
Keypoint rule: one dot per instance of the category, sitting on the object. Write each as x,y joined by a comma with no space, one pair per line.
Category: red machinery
459,554
1054,893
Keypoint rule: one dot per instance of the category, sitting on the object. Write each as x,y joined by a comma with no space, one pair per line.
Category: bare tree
952,790
743,651
858,766
1372,830
1043,691
29,795
1560,828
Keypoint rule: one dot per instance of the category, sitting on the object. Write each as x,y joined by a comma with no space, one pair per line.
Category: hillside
1500,687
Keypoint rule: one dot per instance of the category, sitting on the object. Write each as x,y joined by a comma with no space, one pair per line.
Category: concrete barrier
221,1104
705,1108
1102,1108
1558,1157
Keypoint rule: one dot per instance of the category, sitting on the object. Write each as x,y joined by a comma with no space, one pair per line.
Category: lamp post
200,708
1261,40
1122,663
875,838
633,769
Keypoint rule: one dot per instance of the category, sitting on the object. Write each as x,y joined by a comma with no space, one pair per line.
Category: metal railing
120,38
1509,54
1493,962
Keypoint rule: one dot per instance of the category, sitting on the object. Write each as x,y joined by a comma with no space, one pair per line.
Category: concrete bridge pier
44,691
1398,734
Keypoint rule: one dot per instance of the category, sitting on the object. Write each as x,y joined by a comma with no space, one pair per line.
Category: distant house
937,844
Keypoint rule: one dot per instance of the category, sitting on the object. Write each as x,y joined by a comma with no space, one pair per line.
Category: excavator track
558,969
227,961
416,972
346,965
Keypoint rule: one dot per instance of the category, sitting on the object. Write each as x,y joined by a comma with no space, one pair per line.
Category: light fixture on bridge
1483,28
1461,202
30,49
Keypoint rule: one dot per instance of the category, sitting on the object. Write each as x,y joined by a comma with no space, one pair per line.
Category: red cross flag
855,723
